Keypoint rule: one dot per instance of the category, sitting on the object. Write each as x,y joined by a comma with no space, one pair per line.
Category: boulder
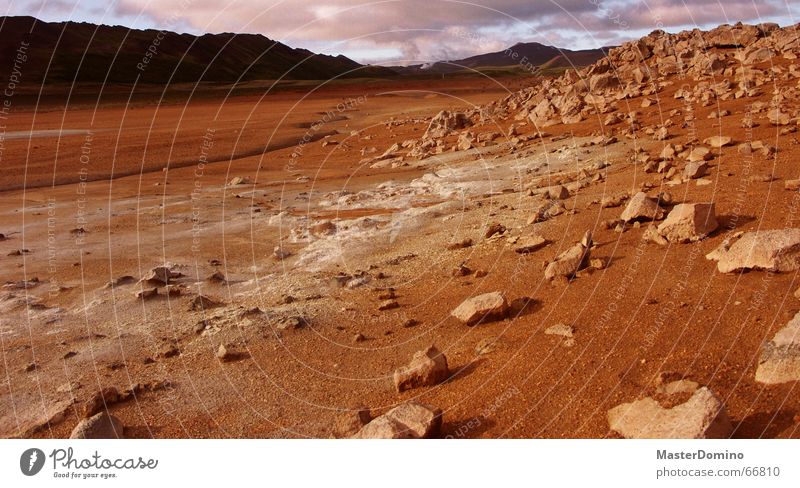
689,222
557,193
642,207
775,250
410,420
427,368
695,169
99,426
489,306
570,261
699,153
780,357
718,141
529,244
702,416
161,275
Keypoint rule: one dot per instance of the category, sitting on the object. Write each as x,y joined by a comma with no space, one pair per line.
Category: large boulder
689,222
489,306
99,426
410,420
702,416
770,250
570,261
642,207
780,357
427,368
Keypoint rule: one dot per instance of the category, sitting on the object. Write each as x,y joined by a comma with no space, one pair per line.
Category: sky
401,32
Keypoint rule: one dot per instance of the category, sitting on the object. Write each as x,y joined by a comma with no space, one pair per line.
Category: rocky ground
609,253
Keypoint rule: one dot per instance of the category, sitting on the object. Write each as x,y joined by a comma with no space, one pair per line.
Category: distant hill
523,54
66,51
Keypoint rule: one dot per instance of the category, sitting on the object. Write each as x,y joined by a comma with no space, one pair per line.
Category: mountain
66,51
523,54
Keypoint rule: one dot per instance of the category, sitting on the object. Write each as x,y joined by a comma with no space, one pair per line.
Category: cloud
417,31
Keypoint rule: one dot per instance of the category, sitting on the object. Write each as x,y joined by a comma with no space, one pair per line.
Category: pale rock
489,306
775,250
427,368
410,420
689,222
701,417
642,207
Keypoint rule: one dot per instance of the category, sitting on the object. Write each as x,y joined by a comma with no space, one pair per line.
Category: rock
695,169
99,426
570,261
780,357
460,245
292,322
410,420
202,302
100,401
770,250
427,368
613,200
562,330
217,277
147,294
461,270
351,421
641,207
529,244
557,193
699,153
444,123
493,229
661,134
388,305
792,185
702,416
223,354
280,254
776,117
689,222
238,180
489,306
718,141
121,281
161,275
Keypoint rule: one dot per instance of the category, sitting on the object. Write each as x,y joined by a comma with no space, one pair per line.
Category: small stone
529,244
99,426
489,306
351,421
223,354
493,229
642,207
718,141
147,294
559,329
280,254
410,420
427,368
388,305
568,263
